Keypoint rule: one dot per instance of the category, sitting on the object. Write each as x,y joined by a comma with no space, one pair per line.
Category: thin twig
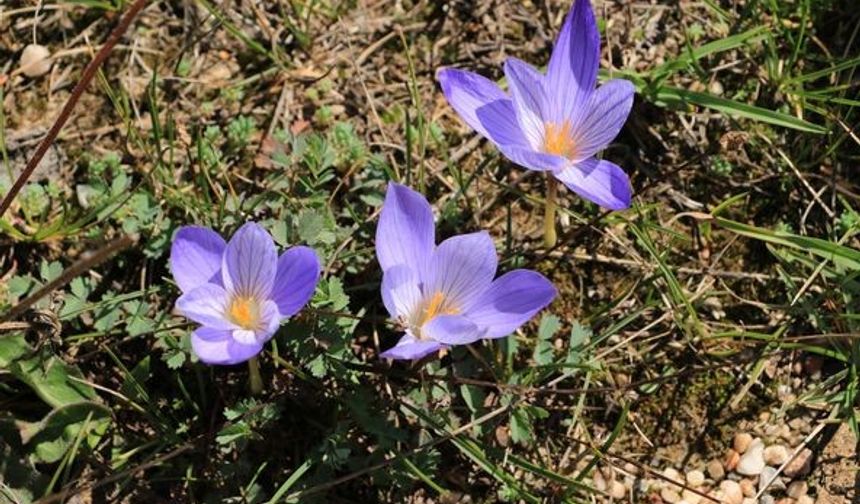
86,77
86,263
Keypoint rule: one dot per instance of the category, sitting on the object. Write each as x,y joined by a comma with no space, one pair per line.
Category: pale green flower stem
549,236
256,381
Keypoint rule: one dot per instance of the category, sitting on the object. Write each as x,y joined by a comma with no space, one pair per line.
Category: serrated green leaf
175,360
310,224
521,428
579,337
543,353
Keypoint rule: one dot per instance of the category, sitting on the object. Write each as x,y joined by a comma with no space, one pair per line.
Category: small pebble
695,478
617,490
766,499
672,474
766,474
775,455
691,497
716,88
715,470
732,492
731,460
747,487
742,442
804,499
599,482
797,489
670,496
752,462
800,465
35,60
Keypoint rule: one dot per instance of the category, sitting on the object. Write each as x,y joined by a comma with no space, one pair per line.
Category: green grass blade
838,254
668,95
750,36
845,65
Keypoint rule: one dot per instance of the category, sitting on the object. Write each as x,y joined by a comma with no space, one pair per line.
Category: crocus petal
529,99
600,181
411,348
528,158
603,117
572,69
298,272
405,233
250,262
451,330
245,336
195,257
510,302
482,105
271,318
463,268
401,292
206,305
218,347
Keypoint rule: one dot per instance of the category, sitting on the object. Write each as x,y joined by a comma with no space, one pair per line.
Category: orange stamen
436,307
557,139
244,312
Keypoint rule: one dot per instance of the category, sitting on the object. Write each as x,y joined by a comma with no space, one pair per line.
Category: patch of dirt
838,468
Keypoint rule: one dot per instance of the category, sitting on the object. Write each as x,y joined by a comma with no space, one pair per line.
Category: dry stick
84,264
86,77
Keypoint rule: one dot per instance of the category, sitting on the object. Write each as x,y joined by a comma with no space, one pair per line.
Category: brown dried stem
80,266
86,77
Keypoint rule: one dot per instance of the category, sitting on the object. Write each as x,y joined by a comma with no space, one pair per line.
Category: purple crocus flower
240,291
555,122
445,295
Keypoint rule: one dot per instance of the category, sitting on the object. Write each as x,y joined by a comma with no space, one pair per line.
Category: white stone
695,478
35,60
752,461
672,474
